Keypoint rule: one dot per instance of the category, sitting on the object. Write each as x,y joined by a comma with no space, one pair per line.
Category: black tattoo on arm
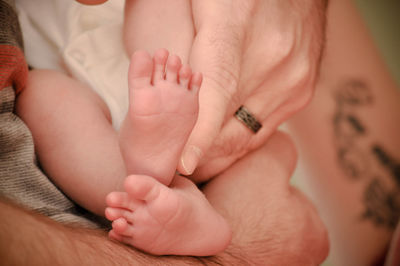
357,151
382,204
388,162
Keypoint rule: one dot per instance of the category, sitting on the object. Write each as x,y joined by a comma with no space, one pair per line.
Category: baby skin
159,211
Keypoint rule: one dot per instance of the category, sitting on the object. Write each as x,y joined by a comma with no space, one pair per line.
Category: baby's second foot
163,110
162,220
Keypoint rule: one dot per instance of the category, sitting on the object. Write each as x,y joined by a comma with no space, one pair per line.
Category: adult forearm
31,239
349,140
27,238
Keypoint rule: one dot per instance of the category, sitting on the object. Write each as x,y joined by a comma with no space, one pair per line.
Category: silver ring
244,116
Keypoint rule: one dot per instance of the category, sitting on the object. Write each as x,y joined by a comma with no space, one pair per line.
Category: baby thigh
74,140
153,24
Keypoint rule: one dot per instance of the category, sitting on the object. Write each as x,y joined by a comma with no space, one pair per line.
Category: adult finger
216,56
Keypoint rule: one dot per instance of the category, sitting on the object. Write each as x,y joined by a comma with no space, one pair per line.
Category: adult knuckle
223,78
302,72
305,82
281,45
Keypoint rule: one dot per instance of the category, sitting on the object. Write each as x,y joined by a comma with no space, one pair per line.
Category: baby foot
161,220
163,97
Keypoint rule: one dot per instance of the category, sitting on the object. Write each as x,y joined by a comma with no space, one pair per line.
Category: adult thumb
218,59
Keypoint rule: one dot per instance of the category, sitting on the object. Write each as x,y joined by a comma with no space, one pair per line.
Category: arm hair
28,238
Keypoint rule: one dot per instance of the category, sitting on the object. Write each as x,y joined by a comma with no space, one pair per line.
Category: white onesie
82,41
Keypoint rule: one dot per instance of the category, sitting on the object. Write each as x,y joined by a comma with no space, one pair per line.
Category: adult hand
262,54
272,223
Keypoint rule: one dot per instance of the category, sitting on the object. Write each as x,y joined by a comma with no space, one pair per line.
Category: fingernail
190,159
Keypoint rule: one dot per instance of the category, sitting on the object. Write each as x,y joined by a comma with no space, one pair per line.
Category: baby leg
163,110
150,215
151,24
165,220
74,140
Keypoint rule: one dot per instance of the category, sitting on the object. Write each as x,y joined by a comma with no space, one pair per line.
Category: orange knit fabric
13,68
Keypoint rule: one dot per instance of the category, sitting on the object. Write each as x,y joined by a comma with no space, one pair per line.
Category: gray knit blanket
21,178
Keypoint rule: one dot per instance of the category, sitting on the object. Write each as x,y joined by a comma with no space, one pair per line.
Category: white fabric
82,41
